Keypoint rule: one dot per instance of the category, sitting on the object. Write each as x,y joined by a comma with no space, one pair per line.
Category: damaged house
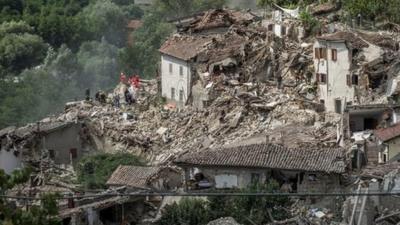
179,53
334,69
145,178
297,170
61,142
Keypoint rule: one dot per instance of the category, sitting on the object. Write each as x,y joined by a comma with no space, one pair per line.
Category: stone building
296,170
61,142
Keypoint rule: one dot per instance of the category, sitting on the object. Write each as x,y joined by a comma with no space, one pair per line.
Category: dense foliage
244,209
94,170
44,214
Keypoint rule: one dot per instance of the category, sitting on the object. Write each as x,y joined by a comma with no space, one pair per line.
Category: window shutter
317,53
334,54
317,77
348,80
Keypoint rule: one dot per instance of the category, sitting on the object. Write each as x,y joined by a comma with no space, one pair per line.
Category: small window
270,27
322,101
384,157
172,93
283,30
180,70
74,153
181,95
255,178
170,68
334,54
321,78
338,106
354,79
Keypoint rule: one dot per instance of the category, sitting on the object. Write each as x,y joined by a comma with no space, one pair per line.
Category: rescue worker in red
136,81
122,77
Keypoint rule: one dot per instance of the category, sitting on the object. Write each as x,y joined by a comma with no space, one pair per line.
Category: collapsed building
234,80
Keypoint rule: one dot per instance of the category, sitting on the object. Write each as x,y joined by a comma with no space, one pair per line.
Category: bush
94,170
189,211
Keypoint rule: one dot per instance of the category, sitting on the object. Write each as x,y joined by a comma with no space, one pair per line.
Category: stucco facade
175,79
9,161
332,63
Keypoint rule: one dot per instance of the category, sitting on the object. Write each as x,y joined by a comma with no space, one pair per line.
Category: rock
224,221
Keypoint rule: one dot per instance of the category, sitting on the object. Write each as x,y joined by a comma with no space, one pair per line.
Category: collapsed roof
386,134
344,36
134,176
270,156
185,47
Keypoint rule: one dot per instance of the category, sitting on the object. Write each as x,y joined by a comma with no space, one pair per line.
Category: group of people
129,93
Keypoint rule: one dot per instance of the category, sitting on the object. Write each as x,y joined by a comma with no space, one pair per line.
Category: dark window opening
321,78
370,123
338,106
270,27
52,154
354,79
312,177
74,153
322,101
384,158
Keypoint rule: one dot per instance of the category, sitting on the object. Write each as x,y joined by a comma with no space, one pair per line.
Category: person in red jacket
136,81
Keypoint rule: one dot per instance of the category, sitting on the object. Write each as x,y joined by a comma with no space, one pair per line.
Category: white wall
174,80
336,72
8,161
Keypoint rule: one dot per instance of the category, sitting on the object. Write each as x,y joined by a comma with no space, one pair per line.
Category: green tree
189,211
368,9
105,19
19,49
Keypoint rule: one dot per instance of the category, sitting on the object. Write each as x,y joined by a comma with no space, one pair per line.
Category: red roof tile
385,134
185,47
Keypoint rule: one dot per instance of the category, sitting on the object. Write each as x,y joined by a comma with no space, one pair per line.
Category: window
170,68
270,27
321,78
338,106
255,178
181,95
283,30
334,54
320,53
354,79
73,153
180,70
172,93
312,177
322,101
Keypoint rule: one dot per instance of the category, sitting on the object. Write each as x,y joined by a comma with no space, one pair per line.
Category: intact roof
185,47
270,156
345,36
386,134
133,176
134,24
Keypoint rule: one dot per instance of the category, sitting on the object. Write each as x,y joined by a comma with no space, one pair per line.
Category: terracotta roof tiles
133,176
385,134
270,156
